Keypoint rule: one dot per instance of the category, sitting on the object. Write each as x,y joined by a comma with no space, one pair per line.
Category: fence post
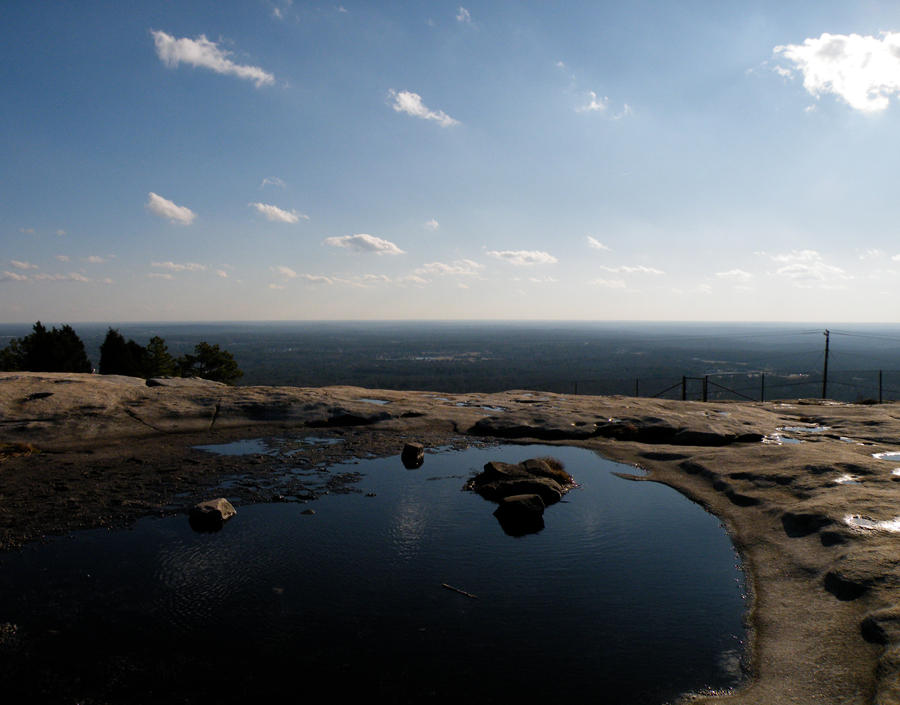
576,388
706,388
762,387
683,388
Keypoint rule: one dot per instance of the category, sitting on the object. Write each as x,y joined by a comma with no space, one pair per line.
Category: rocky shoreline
809,507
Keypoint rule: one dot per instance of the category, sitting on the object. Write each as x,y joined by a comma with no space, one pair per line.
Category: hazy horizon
291,161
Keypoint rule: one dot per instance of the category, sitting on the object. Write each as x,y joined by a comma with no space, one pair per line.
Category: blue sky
268,159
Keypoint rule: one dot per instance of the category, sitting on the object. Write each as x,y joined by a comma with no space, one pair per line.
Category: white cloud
283,271
432,224
160,275
593,105
411,104
342,9
413,279
277,214
738,275
543,280
609,283
460,267
71,276
522,258
95,259
277,287
13,277
22,265
206,54
317,279
272,181
165,208
872,253
864,71
222,273
362,242
806,269
595,244
636,269
463,15
60,232
179,267
63,258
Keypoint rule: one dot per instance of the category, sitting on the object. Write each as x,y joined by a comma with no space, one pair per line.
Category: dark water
631,594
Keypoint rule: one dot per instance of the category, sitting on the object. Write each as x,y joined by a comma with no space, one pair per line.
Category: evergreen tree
118,357
209,362
159,362
54,350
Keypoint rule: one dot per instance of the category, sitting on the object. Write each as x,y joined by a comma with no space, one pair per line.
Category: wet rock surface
822,553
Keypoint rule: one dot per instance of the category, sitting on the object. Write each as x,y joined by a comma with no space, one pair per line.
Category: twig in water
461,592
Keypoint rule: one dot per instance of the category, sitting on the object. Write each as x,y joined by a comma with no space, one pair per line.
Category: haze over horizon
286,160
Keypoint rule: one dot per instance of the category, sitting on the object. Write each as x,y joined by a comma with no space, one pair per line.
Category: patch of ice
857,521
778,439
893,455
804,429
847,480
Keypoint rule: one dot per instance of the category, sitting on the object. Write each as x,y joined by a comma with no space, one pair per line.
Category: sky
513,159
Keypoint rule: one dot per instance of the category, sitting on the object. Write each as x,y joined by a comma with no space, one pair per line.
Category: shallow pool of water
631,594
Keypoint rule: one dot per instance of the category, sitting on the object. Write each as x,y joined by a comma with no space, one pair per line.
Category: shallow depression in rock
629,585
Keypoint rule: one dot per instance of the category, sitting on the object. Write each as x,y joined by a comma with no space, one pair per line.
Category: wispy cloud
411,104
71,277
278,215
26,231
609,283
165,208
593,105
460,267
463,15
18,264
13,277
63,258
160,275
595,244
179,267
863,71
633,269
523,258
222,273
60,232
737,275
205,54
364,243
283,271
272,181
317,279
95,259
806,269
432,224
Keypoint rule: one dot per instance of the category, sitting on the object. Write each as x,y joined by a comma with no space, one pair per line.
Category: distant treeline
61,350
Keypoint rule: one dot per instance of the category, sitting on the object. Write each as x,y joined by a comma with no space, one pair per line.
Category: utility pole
825,371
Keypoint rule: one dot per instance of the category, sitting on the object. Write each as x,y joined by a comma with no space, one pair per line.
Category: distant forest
741,361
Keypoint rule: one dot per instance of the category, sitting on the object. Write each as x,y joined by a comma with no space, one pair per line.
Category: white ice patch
889,455
847,480
857,521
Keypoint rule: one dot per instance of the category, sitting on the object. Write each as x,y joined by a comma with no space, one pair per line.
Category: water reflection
351,598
